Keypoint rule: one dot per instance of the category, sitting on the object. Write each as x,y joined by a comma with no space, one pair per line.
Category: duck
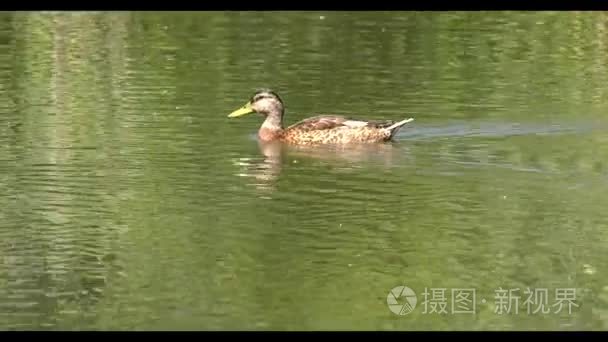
320,129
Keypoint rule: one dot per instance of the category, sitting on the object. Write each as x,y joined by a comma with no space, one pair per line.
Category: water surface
130,201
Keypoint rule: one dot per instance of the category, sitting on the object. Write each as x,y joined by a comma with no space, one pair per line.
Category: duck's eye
258,98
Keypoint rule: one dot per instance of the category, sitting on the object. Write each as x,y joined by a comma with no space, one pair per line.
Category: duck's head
264,101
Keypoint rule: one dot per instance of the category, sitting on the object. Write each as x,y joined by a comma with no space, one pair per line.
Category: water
130,201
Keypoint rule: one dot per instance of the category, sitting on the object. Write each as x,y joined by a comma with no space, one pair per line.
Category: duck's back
336,129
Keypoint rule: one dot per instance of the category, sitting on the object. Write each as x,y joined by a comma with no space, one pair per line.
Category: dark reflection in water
130,201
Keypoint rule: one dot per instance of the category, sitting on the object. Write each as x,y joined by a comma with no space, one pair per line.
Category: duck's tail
394,128
399,124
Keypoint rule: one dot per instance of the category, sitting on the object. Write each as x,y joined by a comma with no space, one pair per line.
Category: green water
130,201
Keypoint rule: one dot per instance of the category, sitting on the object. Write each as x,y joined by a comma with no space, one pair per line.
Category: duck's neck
272,128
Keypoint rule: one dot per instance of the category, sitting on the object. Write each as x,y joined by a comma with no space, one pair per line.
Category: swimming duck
322,129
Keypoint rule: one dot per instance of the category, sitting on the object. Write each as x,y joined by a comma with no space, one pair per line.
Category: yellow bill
246,109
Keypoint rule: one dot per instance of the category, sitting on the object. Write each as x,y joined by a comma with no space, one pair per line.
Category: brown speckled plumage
322,129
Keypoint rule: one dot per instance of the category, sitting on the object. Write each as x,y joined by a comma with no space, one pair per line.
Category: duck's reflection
263,171
277,156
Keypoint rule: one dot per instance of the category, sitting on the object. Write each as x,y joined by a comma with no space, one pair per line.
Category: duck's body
334,129
321,129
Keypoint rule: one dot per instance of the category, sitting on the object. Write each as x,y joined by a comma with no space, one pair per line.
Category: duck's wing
319,122
326,122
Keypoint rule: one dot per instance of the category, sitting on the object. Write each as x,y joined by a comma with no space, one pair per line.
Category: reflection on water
129,201
275,156
263,170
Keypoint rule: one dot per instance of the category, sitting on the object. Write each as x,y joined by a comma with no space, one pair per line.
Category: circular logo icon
401,300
